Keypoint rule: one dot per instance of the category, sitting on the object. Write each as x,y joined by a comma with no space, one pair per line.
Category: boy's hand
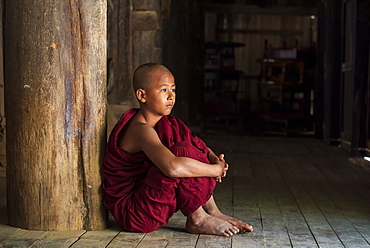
221,158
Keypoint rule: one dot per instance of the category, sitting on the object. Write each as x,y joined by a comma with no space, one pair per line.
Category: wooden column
359,63
55,88
331,74
2,101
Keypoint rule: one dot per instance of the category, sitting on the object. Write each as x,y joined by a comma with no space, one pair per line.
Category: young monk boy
154,166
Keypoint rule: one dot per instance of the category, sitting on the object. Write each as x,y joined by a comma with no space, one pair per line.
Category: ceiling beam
256,10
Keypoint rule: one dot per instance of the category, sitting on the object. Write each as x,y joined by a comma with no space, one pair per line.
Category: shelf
221,86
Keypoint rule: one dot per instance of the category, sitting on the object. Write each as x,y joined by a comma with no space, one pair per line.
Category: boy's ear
140,94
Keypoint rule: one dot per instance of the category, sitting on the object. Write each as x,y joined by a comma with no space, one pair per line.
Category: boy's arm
172,166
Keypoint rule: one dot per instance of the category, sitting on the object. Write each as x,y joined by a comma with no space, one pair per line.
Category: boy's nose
171,95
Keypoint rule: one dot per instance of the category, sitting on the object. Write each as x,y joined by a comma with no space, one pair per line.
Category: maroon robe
139,196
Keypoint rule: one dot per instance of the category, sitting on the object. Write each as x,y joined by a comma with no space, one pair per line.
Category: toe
235,230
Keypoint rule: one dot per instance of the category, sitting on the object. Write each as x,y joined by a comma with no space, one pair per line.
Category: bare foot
203,223
212,209
243,227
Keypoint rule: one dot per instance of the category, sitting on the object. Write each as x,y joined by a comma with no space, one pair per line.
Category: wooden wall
167,32
254,27
119,45
172,33
134,38
183,46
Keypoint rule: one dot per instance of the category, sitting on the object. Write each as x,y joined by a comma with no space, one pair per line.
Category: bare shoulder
135,135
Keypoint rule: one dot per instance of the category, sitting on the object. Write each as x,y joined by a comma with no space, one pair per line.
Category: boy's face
161,95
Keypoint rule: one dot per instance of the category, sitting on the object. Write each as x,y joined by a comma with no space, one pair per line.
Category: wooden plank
274,229
97,238
316,220
299,232
245,198
127,240
158,238
6,231
165,236
23,238
247,209
144,20
153,243
59,239
145,48
146,5
183,242
180,237
343,200
120,51
213,241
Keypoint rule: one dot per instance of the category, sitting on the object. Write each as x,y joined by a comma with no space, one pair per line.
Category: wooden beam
256,10
261,32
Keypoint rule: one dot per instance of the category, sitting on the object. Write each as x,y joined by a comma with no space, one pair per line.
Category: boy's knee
187,149
182,148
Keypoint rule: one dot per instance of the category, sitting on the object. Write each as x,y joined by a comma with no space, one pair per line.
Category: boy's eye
164,90
173,90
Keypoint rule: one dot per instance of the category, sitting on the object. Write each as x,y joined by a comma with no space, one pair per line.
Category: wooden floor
296,192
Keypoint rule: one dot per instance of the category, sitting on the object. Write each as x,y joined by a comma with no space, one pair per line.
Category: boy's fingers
221,157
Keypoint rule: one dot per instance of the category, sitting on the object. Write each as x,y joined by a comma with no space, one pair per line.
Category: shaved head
143,75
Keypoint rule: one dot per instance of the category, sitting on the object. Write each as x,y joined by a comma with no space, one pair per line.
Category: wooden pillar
2,101
359,63
55,88
331,75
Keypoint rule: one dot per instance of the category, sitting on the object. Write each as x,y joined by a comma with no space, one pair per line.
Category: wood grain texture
120,90
56,110
144,20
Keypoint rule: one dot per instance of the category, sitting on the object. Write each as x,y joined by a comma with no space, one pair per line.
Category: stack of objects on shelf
284,98
221,108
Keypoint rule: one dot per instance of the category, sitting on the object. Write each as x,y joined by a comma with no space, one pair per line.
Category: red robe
138,195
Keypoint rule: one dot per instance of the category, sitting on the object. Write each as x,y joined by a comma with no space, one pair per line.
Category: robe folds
138,195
